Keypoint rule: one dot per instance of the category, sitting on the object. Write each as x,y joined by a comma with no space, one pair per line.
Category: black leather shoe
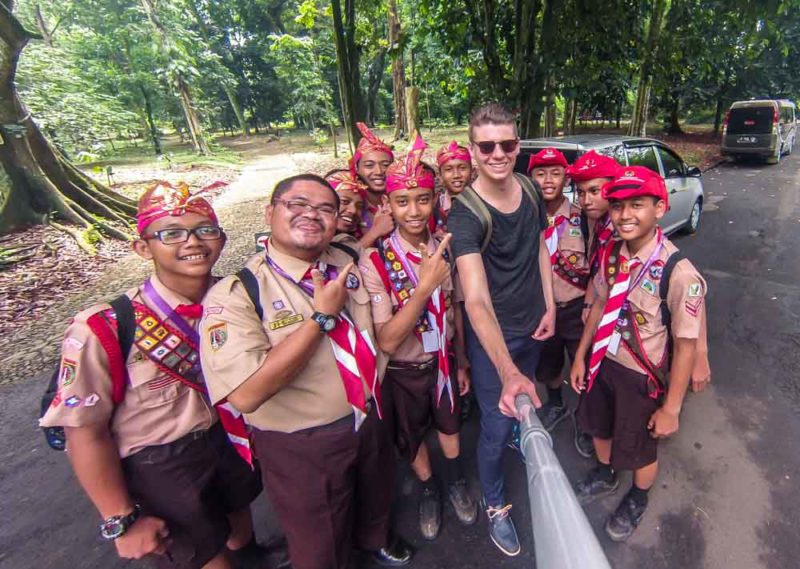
430,511
595,486
583,441
624,521
398,554
464,504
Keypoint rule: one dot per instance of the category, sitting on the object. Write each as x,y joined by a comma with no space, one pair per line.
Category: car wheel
693,223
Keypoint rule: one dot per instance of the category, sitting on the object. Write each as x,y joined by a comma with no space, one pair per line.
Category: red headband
368,143
452,151
410,173
634,182
547,157
163,199
593,165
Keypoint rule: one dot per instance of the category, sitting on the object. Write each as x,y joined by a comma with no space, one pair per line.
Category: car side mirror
694,172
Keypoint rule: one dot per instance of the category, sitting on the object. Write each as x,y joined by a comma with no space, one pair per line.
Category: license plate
746,139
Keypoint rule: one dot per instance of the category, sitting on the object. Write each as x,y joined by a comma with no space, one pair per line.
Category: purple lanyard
398,249
189,330
649,262
306,285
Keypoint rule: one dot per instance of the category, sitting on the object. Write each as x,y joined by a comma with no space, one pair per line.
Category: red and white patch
693,307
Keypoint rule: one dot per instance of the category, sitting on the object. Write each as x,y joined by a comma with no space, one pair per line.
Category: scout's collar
410,173
593,165
368,143
163,199
452,151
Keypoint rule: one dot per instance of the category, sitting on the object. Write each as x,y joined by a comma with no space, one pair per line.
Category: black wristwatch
116,526
326,322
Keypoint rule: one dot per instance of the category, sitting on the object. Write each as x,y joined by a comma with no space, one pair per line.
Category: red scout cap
634,182
593,165
410,173
368,143
163,199
547,157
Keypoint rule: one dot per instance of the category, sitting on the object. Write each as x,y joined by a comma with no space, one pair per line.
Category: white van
760,128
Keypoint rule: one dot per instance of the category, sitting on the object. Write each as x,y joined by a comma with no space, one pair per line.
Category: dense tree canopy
95,71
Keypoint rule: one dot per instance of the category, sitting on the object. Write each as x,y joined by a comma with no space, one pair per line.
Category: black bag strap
473,202
248,279
585,232
126,323
674,259
347,249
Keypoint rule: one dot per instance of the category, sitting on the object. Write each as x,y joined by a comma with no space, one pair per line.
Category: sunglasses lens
486,147
509,145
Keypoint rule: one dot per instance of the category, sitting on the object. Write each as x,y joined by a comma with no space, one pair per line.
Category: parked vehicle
684,183
765,128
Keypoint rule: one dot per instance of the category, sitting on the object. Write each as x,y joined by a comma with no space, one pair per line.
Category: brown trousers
331,488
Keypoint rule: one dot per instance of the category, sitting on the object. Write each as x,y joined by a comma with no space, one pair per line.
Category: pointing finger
343,275
316,278
443,245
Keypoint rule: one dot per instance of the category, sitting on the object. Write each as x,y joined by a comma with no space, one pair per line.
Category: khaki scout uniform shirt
384,303
685,300
156,410
234,343
573,247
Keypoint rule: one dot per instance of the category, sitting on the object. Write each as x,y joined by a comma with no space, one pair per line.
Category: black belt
569,302
338,423
430,364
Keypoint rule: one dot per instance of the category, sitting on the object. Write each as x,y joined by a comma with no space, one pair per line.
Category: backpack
473,202
250,282
126,327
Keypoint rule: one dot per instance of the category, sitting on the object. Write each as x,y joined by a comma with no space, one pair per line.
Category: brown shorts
331,488
569,327
618,408
414,410
192,484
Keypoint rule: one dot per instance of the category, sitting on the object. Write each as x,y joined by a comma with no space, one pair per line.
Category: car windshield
751,120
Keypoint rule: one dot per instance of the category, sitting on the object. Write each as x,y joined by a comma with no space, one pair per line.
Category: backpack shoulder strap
473,202
674,259
126,323
347,249
534,192
248,279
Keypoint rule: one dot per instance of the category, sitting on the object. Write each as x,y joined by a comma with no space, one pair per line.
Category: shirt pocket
151,387
646,305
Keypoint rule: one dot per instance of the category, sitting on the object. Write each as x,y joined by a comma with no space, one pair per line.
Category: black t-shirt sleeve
466,229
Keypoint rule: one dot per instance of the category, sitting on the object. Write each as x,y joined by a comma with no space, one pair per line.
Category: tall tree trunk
193,122
412,110
570,110
151,123
638,126
484,26
347,57
374,80
526,36
674,126
718,112
398,72
43,183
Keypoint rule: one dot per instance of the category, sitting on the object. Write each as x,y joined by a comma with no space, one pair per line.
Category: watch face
330,324
112,529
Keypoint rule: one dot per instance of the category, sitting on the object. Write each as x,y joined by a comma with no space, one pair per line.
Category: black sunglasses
488,146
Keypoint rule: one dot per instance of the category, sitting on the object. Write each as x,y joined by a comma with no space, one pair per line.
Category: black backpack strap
126,323
674,259
473,202
248,279
585,233
347,249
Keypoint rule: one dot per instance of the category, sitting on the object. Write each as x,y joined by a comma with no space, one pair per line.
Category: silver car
684,183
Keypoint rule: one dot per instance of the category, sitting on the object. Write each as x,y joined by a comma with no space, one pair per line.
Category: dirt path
34,348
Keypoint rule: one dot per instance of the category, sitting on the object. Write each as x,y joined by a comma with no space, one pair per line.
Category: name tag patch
284,322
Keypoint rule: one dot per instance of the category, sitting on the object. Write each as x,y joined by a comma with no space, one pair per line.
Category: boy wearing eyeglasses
143,440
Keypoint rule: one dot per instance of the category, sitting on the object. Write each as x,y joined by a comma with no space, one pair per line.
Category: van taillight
775,116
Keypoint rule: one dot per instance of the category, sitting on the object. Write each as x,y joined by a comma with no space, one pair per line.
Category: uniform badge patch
575,232
390,255
213,310
69,369
693,307
284,322
575,220
649,286
624,268
218,335
640,319
656,271
403,294
377,299
72,402
91,400
695,290
56,400
363,268
351,282
278,304
573,259
73,343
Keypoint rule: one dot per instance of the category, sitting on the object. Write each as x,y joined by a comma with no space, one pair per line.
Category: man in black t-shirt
508,294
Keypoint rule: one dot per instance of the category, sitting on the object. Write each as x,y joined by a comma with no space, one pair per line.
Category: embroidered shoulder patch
218,335
695,290
68,372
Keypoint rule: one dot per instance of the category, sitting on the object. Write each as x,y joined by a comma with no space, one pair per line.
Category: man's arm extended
484,321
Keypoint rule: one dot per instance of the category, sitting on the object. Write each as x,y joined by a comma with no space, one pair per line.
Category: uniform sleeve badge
351,282
218,335
68,373
695,290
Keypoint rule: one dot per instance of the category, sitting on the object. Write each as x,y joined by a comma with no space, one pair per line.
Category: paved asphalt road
726,496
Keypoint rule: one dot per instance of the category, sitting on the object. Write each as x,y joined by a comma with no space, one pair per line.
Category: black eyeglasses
180,235
488,146
296,206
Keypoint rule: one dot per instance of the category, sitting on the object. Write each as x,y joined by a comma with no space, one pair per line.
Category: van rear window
750,120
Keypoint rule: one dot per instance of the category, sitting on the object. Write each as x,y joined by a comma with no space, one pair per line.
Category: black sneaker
464,504
430,511
583,441
624,521
595,486
551,415
502,530
398,554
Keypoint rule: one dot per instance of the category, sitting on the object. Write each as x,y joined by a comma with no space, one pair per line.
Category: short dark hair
286,184
491,113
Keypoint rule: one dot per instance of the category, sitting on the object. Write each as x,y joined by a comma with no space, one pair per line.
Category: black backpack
126,327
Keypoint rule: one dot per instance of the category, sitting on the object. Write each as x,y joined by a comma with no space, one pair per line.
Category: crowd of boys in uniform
380,302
